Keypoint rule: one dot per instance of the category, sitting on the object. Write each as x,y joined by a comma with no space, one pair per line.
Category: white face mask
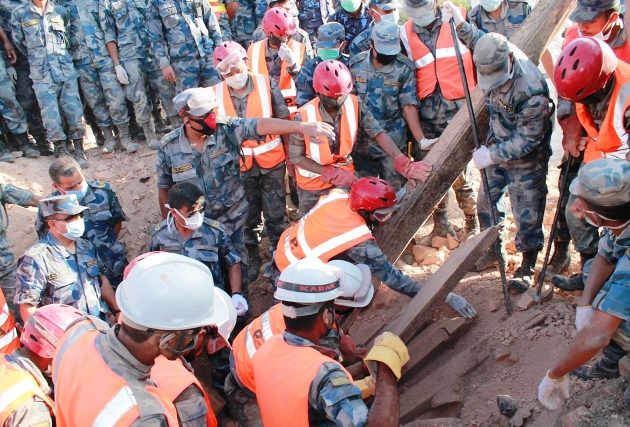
422,16
601,36
237,81
193,222
390,17
490,5
74,229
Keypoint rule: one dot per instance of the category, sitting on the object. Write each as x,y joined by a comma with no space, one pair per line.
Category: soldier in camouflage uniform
183,35
517,148
355,18
10,194
103,217
244,22
379,10
498,16
63,268
43,38
312,14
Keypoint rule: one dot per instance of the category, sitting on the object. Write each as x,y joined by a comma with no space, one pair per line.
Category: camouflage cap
491,59
330,35
589,10
66,204
603,182
386,38
386,4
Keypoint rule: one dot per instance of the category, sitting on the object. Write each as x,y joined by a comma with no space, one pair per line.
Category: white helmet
355,284
227,325
308,281
170,292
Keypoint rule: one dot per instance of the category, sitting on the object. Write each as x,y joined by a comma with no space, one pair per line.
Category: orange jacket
9,339
330,228
283,378
440,69
320,151
622,52
268,154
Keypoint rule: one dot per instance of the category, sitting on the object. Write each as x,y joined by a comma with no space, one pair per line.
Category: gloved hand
583,316
552,393
450,11
412,170
337,176
240,304
349,349
12,73
481,157
285,53
121,74
367,386
390,350
460,305
426,144
571,133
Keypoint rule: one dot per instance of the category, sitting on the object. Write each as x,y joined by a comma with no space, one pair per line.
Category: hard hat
46,326
279,22
135,261
170,292
370,194
199,100
226,49
308,281
583,68
332,78
226,326
355,283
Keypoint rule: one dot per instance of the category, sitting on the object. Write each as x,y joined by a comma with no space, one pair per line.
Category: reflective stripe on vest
18,387
9,339
115,408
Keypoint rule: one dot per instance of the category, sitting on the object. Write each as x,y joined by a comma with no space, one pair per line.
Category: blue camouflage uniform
9,194
353,25
312,14
245,21
10,108
513,14
361,42
183,35
208,244
49,274
44,40
103,214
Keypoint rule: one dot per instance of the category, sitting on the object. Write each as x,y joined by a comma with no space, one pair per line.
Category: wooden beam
453,151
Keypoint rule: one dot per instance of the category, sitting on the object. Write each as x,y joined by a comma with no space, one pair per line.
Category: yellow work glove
390,350
367,386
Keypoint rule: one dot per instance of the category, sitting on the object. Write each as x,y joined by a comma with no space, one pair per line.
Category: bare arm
162,199
34,200
387,144
117,228
108,294
112,49
410,113
385,410
234,277
8,47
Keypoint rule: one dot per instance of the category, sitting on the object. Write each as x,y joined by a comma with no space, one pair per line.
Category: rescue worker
602,197
428,42
262,162
324,164
497,16
299,35
379,10
25,392
9,339
243,21
62,268
166,302
339,226
354,17
309,392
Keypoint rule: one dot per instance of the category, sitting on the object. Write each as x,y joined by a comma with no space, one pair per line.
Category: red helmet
332,78
278,22
370,194
226,48
44,329
584,67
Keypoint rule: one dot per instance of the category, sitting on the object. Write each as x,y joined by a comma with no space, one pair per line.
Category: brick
421,252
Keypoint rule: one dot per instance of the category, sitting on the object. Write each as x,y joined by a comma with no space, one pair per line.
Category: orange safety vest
18,387
320,152
258,65
88,392
611,138
440,69
172,377
622,52
9,339
217,7
249,340
327,230
269,153
284,374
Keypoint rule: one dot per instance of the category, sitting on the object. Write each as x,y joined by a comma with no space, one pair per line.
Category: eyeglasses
70,218
190,214
181,338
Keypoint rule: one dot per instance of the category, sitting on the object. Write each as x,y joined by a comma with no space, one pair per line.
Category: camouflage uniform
103,214
44,41
312,14
183,35
10,108
304,85
513,14
16,196
245,22
299,36
208,244
361,42
353,25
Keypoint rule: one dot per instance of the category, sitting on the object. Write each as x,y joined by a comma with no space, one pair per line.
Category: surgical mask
326,53
422,16
81,192
390,17
192,222
208,125
490,5
384,59
601,36
74,229
331,103
237,81
506,77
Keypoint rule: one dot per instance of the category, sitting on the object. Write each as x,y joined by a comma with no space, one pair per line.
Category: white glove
121,74
286,55
450,11
426,144
583,316
481,157
12,73
552,393
460,305
240,304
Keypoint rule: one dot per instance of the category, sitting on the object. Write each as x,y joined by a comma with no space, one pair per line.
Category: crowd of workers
339,103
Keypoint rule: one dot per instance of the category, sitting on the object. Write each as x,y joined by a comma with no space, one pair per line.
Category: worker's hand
413,171
367,386
316,129
426,144
481,157
450,11
337,176
349,349
12,73
169,74
553,392
285,53
582,143
571,132
390,350
583,316
460,305
240,304
10,51
231,9
121,74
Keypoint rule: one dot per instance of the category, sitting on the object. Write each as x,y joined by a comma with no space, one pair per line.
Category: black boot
79,154
574,282
28,149
606,366
161,125
472,225
560,260
61,149
524,276
253,260
5,154
44,146
489,260
441,225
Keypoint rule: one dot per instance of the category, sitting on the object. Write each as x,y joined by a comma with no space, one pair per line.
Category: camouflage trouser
194,72
382,167
136,90
160,89
308,199
55,100
26,97
585,237
10,108
242,404
265,194
562,228
7,284
103,93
